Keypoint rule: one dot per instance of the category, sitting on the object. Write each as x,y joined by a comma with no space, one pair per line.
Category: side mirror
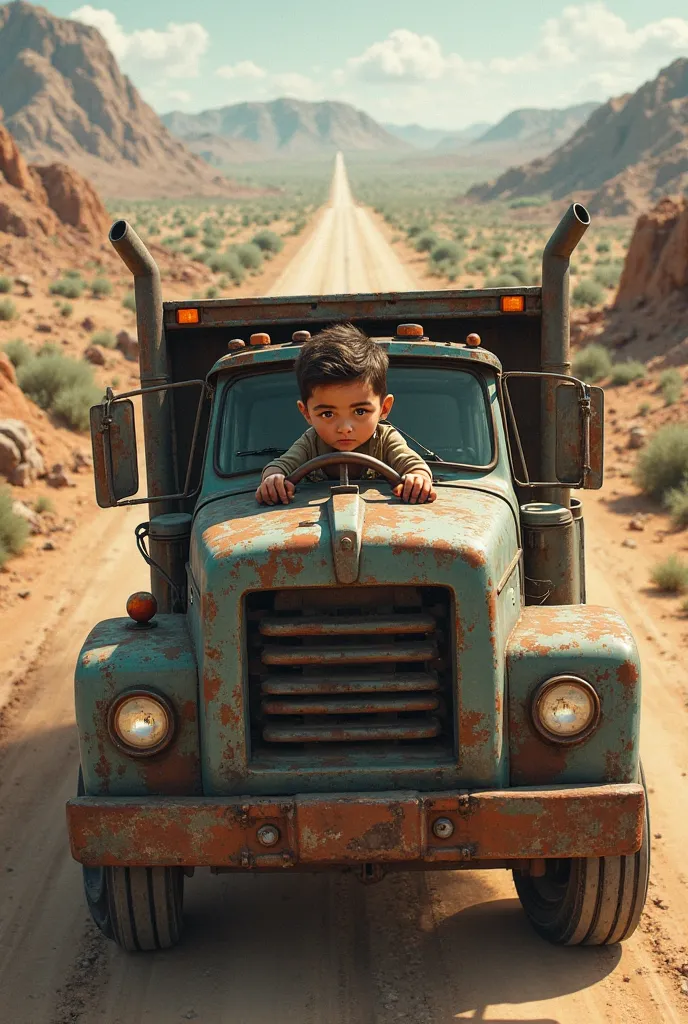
115,462
580,436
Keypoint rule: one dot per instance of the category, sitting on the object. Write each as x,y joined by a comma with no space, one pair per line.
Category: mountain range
629,152
63,97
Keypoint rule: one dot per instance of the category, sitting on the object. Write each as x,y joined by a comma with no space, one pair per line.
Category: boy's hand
275,489
415,488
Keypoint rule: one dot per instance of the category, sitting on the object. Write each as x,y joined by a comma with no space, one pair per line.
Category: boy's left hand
415,488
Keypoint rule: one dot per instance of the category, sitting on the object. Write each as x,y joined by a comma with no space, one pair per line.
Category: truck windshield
445,410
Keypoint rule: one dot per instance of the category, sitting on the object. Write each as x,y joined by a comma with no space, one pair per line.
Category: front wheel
593,901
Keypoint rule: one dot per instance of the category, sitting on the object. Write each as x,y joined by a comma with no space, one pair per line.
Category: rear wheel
594,901
140,908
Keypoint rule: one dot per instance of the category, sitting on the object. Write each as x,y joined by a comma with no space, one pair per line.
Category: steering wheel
345,459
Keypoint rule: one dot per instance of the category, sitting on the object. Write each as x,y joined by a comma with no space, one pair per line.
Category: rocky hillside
548,127
282,128
64,98
630,151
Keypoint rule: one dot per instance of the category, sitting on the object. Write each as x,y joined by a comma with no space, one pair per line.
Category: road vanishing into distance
317,949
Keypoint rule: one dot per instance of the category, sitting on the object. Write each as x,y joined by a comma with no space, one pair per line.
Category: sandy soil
416,948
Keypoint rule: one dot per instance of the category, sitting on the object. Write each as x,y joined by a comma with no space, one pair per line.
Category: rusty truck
348,682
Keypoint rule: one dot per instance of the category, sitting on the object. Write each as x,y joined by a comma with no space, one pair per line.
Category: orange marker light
235,344
187,316
260,340
472,340
409,331
142,606
513,303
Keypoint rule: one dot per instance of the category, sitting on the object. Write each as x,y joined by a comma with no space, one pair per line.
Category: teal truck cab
348,682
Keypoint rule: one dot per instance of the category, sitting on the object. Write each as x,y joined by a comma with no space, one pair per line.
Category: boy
342,378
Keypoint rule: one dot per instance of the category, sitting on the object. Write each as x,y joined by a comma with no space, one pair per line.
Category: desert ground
417,947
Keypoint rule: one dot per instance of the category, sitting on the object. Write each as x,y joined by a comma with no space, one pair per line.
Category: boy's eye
326,415
360,412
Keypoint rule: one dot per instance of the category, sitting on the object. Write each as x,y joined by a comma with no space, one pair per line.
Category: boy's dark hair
340,354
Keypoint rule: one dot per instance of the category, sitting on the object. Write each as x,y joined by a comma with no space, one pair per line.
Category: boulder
15,434
28,515
73,199
656,264
59,477
10,456
95,354
128,345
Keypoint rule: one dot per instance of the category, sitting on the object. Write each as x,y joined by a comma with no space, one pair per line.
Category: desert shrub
503,281
671,575
298,226
249,255
608,274
68,287
663,462
66,309
18,352
624,373
478,265
268,241
100,287
426,241
13,528
5,285
43,504
191,231
603,247
676,501
644,408
106,339
447,251
518,270
228,263
496,250
212,292
129,302
670,386
49,349
588,293
8,310
60,385
592,363
73,274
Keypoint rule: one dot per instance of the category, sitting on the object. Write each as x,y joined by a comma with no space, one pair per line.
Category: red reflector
187,316
409,331
513,303
142,606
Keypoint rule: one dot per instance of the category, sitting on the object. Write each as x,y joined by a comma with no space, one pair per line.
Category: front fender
115,658
597,645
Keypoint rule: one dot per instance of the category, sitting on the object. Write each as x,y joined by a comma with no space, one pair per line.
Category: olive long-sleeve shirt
386,444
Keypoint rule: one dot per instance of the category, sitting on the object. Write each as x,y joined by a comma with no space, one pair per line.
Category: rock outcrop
631,150
65,99
656,266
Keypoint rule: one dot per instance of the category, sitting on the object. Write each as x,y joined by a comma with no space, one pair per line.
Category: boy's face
345,415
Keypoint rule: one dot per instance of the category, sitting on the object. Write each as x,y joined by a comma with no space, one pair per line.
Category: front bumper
387,828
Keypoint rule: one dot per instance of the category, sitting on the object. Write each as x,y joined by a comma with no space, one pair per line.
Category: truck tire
140,908
592,901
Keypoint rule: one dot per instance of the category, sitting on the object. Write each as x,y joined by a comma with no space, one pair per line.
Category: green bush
268,241
129,302
8,310
249,256
191,231
426,241
18,352
447,251
671,575
479,265
592,363
608,274
5,285
603,247
588,293
624,373
496,251
73,274
13,528
106,339
66,309
60,385
503,281
670,386
676,501
212,292
663,462
100,287
518,270
68,287
228,263
43,504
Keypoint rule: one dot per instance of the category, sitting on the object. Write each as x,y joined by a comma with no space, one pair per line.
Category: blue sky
441,63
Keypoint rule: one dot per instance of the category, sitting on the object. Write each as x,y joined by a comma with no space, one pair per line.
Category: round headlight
566,709
141,723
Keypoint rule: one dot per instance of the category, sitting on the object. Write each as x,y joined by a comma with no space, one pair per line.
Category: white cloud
244,69
291,83
405,57
174,52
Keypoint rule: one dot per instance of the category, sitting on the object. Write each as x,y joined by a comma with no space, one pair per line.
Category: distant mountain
451,141
630,151
64,98
428,138
551,127
282,128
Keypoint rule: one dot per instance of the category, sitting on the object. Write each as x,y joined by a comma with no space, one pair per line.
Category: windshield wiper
259,451
433,455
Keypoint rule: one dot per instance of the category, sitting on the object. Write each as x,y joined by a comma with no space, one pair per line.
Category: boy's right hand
275,489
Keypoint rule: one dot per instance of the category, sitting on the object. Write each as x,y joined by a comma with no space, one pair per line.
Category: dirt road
317,950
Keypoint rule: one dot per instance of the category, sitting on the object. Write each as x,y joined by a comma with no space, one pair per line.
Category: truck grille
350,666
